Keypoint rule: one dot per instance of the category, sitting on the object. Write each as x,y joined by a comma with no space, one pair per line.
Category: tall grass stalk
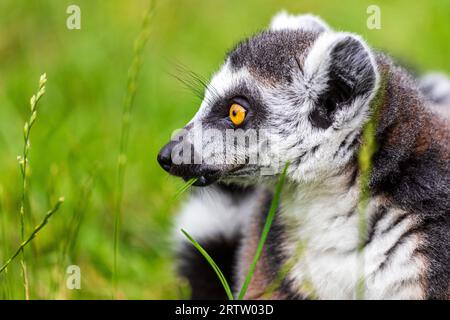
265,232
365,163
127,108
23,163
78,215
33,234
72,229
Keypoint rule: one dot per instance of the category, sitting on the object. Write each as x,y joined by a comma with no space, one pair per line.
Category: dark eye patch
249,98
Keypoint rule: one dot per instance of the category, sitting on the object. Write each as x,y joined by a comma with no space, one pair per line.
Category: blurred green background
75,140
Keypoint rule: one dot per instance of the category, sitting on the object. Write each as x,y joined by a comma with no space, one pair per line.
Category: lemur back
319,86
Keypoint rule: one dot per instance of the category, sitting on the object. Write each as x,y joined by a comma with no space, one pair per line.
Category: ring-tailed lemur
317,88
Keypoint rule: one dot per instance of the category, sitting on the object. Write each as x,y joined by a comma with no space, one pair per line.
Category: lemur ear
342,71
308,22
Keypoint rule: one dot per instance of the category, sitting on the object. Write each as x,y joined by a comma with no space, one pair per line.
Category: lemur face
296,93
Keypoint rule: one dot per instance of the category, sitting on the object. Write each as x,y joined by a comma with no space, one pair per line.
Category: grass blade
365,163
72,229
33,234
186,186
23,162
216,268
133,74
265,232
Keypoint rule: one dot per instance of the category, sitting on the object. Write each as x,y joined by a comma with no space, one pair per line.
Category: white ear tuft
307,22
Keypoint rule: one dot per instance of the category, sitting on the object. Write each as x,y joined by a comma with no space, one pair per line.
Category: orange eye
237,114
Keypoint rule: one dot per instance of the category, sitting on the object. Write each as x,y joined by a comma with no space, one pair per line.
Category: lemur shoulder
318,86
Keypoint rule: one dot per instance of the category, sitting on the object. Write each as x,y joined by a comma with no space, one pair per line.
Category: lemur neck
323,212
409,170
313,207
411,164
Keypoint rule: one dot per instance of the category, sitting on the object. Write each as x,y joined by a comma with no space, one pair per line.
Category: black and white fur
317,85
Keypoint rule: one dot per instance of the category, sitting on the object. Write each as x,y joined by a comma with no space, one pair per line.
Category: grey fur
269,55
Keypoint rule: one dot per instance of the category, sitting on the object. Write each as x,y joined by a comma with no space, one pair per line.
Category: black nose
165,157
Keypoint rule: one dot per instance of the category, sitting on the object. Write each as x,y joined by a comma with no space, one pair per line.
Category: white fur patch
307,22
212,213
436,87
321,217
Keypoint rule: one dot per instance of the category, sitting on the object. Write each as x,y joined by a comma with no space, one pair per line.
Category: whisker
196,83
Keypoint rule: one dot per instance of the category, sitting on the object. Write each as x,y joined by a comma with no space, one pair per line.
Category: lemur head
298,93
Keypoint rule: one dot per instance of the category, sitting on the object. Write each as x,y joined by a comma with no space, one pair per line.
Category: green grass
33,234
365,155
24,167
270,215
80,124
213,265
185,187
132,83
251,270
